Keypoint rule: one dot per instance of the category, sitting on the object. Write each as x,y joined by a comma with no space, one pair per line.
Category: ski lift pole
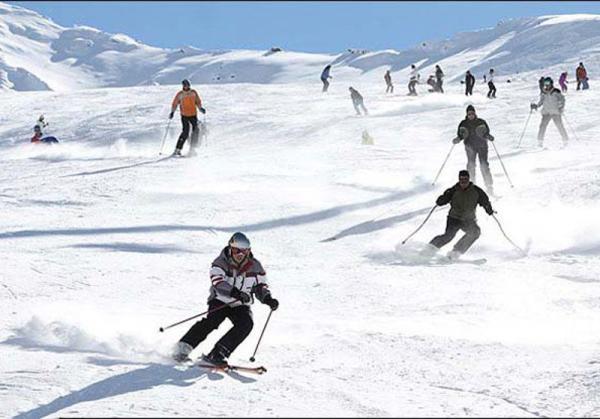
503,168
422,224
443,164
525,128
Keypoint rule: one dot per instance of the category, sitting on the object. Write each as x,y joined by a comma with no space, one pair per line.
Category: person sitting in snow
38,136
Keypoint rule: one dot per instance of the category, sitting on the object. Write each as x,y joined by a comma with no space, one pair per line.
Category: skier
187,99
553,105
388,82
414,79
463,198
357,101
439,76
236,275
562,81
469,83
490,81
581,75
476,133
431,82
325,76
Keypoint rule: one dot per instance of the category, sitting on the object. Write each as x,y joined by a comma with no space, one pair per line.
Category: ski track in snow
104,242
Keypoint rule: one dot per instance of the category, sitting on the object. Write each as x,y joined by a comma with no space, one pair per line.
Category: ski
235,368
469,261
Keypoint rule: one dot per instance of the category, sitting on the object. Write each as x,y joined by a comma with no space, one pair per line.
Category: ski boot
453,255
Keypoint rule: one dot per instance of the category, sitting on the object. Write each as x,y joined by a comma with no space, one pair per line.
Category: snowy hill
103,241
37,54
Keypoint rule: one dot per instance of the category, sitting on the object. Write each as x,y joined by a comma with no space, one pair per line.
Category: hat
470,108
464,173
185,82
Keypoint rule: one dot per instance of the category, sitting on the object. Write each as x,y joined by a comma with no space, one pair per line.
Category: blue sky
298,26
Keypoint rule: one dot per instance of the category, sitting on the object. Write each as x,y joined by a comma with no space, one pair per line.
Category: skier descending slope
552,102
357,101
236,275
463,199
476,133
187,99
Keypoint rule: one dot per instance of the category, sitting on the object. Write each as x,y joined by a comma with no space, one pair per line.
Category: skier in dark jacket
463,199
476,133
357,101
439,78
236,276
388,82
325,77
469,83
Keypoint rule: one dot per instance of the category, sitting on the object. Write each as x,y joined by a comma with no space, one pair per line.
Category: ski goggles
235,251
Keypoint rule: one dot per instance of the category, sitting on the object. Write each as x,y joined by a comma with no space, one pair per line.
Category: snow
104,242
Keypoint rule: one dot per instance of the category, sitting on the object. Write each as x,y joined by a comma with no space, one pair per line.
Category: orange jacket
187,102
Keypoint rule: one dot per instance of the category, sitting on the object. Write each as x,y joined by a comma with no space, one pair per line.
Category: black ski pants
469,89
484,165
240,316
492,91
186,122
325,84
470,227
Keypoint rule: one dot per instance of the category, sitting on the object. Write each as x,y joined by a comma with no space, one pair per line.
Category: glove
202,110
171,115
490,211
271,302
490,137
456,140
242,296
533,106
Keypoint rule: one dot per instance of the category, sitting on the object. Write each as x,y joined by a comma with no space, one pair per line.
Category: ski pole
205,132
525,128
252,359
164,137
571,128
503,168
162,329
507,238
422,224
443,164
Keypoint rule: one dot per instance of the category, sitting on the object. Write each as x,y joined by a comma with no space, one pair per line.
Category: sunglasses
236,251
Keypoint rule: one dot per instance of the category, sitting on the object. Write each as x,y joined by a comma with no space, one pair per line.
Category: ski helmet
548,80
239,241
186,82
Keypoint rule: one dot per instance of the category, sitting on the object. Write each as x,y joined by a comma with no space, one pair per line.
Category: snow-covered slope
37,54
102,243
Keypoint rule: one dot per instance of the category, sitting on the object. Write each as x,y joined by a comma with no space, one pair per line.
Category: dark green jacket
473,140
463,202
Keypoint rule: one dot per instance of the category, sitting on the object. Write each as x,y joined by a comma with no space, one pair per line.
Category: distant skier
236,276
469,83
582,78
552,102
188,100
562,81
439,77
388,81
463,198
476,133
325,77
357,101
414,79
38,136
432,83
490,81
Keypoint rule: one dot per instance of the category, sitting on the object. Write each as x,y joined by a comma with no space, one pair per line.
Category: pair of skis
232,368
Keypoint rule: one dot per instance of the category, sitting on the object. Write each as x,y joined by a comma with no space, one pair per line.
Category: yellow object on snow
366,138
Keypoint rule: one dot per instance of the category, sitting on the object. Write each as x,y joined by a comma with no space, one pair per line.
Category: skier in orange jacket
187,99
